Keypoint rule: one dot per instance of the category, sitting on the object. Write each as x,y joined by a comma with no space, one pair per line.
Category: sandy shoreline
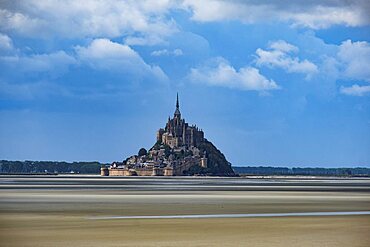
34,213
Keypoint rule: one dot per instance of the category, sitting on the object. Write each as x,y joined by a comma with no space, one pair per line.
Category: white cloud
92,18
314,14
280,55
21,23
165,52
148,22
283,46
355,90
6,43
120,58
55,63
100,54
347,62
355,59
160,53
351,62
224,75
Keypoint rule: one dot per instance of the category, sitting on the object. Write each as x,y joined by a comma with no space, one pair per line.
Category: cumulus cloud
355,90
21,23
100,54
355,59
314,14
280,55
5,42
104,54
148,22
352,62
165,52
224,75
283,46
144,20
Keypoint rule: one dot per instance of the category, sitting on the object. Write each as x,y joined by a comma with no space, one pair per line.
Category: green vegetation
156,146
37,167
198,170
159,145
307,171
142,152
217,163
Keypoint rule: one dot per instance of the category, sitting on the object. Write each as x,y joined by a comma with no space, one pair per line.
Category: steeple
177,112
177,100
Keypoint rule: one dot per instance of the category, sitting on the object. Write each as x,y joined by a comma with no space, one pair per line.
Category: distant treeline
49,167
263,170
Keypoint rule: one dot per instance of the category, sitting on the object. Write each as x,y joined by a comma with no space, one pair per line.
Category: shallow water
206,216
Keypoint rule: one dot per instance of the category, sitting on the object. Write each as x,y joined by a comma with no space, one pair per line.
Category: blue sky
270,82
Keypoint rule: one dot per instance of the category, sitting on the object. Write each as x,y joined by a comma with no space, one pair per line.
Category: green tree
142,152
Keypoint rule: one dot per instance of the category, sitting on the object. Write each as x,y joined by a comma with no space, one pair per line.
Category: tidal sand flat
60,211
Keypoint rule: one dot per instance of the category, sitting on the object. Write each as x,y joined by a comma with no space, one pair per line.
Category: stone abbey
181,149
178,133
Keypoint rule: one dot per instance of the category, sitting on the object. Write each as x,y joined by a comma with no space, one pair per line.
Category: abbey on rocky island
181,149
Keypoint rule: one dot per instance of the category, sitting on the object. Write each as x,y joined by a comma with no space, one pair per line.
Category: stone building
178,133
174,153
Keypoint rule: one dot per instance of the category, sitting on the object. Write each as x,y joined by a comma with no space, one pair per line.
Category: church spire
177,112
177,101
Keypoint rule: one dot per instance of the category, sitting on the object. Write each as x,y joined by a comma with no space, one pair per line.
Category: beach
97,211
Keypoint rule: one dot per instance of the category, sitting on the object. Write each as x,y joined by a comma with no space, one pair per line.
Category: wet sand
57,211
217,216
